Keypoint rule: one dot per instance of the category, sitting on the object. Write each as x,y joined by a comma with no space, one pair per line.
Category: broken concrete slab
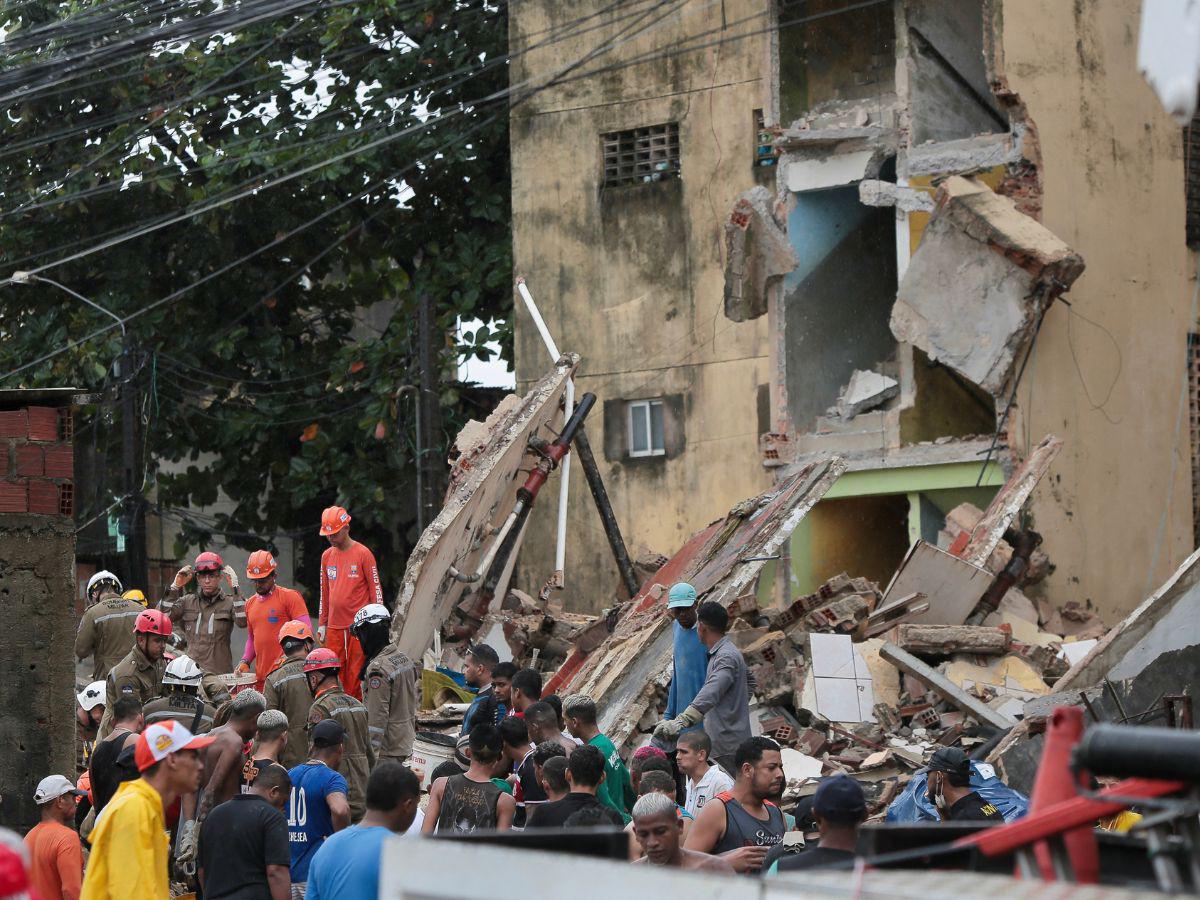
1003,509
945,688
977,286
886,193
866,390
758,254
943,640
952,586
628,670
482,492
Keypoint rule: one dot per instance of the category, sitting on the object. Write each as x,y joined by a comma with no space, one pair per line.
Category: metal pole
135,539
560,545
427,408
608,519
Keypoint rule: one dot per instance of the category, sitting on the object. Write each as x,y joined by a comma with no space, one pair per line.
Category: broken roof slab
977,286
721,562
482,492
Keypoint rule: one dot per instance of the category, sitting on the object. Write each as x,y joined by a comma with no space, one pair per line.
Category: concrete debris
943,640
946,688
758,254
482,492
864,391
887,193
979,282
951,585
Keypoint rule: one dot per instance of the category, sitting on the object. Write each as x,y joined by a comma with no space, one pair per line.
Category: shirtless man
658,827
225,757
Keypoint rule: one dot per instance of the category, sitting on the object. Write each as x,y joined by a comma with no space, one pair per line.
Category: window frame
647,405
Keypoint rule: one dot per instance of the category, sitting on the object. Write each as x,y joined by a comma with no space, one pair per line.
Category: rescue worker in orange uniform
266,611
349,581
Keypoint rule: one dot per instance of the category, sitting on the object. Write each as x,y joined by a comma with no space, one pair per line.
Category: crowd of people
280,775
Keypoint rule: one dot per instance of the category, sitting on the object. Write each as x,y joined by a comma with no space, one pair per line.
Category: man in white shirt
705,779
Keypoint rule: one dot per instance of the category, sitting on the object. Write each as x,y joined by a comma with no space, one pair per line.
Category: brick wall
37,462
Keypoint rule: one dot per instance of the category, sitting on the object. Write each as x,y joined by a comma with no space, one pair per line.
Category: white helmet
91,696
102,576
369,615
182,670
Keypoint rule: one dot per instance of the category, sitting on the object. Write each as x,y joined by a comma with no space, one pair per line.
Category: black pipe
1123,751
583,449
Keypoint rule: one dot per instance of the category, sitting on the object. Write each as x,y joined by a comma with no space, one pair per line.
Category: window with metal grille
646,428
1191,174
1193,363
641,154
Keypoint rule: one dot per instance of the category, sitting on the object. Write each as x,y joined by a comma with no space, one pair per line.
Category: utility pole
133,517
429,411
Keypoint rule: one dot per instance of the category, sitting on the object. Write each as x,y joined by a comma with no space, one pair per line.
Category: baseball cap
54,786
328,733
954,762
840,799
162,739
92,696
681,594
485,654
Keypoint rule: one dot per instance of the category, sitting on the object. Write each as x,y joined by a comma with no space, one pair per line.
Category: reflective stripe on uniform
342,709
286,678
121,615
375,728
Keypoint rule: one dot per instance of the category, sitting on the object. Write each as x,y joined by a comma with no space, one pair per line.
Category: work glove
321,634
669,729
231,577
242,668
182,577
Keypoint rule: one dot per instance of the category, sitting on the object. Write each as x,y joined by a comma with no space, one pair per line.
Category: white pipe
560,546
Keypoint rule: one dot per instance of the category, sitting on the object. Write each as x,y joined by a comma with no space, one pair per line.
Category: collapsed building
800,229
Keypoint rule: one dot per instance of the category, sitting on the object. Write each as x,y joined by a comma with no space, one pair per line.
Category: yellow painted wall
1114,190
634,282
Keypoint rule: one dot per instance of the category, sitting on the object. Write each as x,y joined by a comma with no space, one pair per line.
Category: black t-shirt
817,858
555,815
238,840
973,808
445,770
106,776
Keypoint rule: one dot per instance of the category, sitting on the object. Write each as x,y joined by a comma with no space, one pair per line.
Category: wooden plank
945,688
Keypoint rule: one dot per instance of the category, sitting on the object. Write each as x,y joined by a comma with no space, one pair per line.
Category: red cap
162,739
14,880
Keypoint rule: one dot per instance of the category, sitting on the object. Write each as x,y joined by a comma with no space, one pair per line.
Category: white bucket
430,750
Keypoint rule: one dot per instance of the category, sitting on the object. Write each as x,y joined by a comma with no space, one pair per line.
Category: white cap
52,787
92,696
372,612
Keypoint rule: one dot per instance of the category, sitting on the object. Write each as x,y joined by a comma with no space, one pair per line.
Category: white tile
832,655
838,699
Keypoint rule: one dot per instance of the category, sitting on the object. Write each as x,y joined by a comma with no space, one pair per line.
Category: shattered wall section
979,282
757,255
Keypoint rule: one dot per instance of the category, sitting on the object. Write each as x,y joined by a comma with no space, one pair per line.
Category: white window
646,428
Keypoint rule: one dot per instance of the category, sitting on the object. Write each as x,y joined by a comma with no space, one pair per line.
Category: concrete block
43,423
941,640
866,390
978,283
758,255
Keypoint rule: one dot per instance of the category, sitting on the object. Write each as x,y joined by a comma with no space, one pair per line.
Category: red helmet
320,659
209,562
152,621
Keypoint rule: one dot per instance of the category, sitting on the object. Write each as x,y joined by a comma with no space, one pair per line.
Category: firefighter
140,673
286,689
330,701
105,631
180,699
349,581
267,609
390,687
207,615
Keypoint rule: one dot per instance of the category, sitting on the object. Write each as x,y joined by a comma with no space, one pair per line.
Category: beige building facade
637,129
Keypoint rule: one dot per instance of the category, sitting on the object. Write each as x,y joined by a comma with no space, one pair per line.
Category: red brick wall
37,462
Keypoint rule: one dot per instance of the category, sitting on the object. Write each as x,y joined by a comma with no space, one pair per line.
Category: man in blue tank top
742,825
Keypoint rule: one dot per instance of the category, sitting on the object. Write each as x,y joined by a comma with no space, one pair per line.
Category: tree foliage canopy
350,156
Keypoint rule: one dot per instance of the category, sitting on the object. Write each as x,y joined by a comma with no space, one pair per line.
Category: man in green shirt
616,790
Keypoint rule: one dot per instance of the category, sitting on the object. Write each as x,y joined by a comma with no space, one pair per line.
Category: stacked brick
38,461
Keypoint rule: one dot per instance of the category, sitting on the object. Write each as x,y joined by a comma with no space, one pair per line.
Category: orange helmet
260,564
296,630
321,658
152,621
333,520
